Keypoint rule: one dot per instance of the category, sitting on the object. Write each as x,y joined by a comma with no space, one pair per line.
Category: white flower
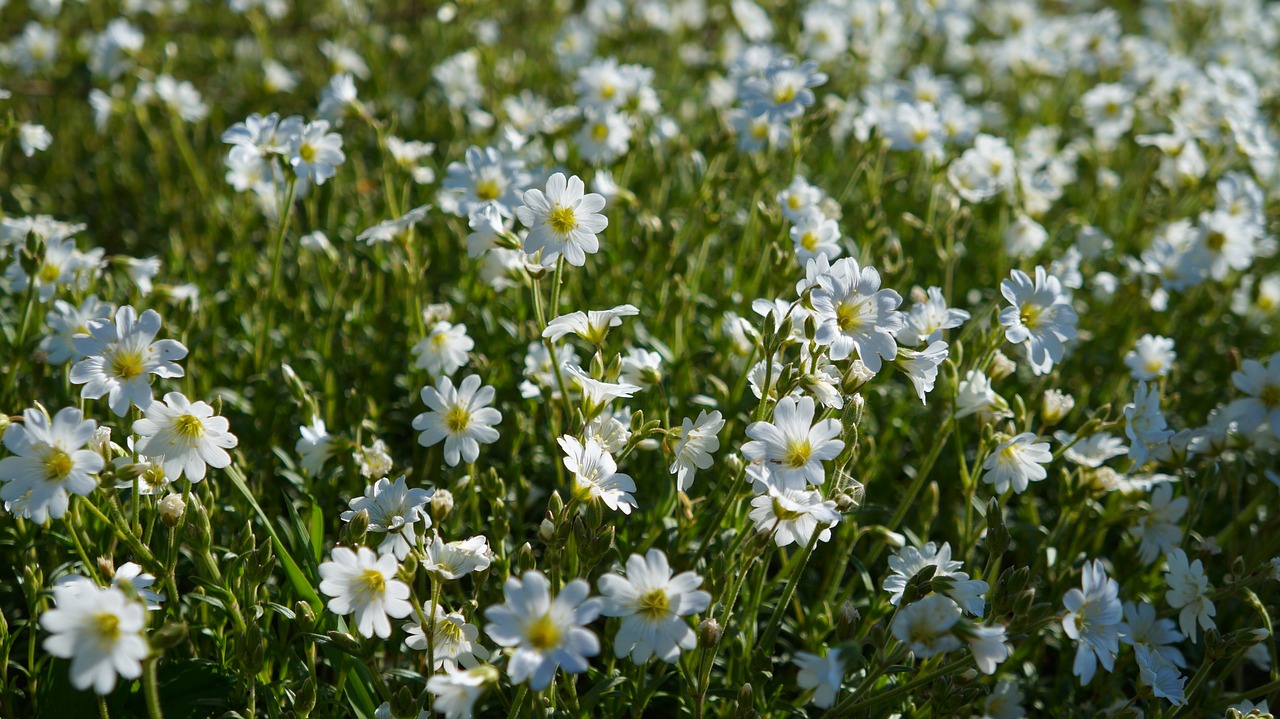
120,356
987,644
1158,530
33,138
456,692
563,221
1024,237
592,326
597,393
975,396
1041,317
927,320
1092,620
544,633
454,642
652,604
1092,451
1152,357
792,445
1261,385
49,462
1017,462
100,630
855,314
813,235
925,626
1158,672
1142,626
394,510
487,179
641,367
365,584
1145,424
692,451
793,515
315,153
184,437
461,418
65,321
389,230
782,91
315,447
444,350
596,476
799,199
922,367
1005,702
1189,591
453,560
908,561
822,674
984,170
373,461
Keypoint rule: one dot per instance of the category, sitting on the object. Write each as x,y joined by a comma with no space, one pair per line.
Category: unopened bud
168,636
546,530
304,700
1001,366
847,619
1022,603
403,704
1055,406
555,506
107,567
358,527
171,509
306,616
345,642
441,504
709,633
101,442
746,702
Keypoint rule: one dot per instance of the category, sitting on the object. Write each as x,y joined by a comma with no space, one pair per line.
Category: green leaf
297,579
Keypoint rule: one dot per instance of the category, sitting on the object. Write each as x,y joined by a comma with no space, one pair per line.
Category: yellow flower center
655,605
457,419
488,189
562,220
1112,109
608,90
848,317
759,129
1030,314
783,513
1270,395
1153,366
798,453
188,426
919,135
1216,241
107,627
599,131
126,365
307,152
543,633
809,241
49,273
784,94
373,582
57,465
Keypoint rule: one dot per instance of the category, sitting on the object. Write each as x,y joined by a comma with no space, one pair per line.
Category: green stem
152,688
285,215
518,701
852,705
765,646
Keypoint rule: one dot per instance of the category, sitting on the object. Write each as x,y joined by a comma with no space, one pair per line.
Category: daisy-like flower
121,356
1145,424
460,417
541,632
49,463
444,350
1041,317
65,321
373,461
59,266
1092,620
455,692
692,451
782,91
596,476
102,632
1017,462
1189,591
641,367
315,153
813,235
908,561
563,220
1261,385
315,446
1092,451
455,642
364,584
821,674
987,644
974,395
792,446
927,320
925,626
453,560
592,326
799,199
1151,358
129,578
1005,702
652,604
1161,675
922,367
1159,530
855,314
184,437
597,393
487,178
1143,626
394,510
793,515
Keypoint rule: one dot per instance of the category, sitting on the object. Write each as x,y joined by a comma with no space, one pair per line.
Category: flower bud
709,633
168,636
547,530
1055,406
304,700
358,527
403,704
746,702
1001,366
847,619
306,616
441,504
171,509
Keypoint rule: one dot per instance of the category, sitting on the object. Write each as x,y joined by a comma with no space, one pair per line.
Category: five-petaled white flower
395,510
652,604
121,355
821,674
1040,319
365,584
855,314
49,462
693,448
1189,591
563,220
460,417
541,632
596,476
1017,462
1093,618
792,446
101,630
184,437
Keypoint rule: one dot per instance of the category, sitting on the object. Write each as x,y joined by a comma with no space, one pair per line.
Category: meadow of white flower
669,358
